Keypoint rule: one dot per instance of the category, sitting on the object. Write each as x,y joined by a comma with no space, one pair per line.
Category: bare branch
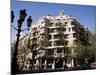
14,27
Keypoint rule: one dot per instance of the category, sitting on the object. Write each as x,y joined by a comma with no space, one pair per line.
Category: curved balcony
59,55
54,39
69,26
54,26
66,32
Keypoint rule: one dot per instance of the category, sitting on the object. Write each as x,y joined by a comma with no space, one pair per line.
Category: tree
87,51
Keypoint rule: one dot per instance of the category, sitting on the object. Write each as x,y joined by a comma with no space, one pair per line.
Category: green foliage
86,51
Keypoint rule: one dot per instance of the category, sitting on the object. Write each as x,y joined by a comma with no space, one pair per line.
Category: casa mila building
51,41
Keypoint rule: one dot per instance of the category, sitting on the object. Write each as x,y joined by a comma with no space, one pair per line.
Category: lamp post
29,22
21,19
12,16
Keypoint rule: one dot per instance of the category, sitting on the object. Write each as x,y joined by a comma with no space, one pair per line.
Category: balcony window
75,42
48,30
66,51
35,34
42,36
74,35
66,43
60,23
52,30
59,50
55,30
58,43
50,52
74,29
50,37
64,30
34,39
55,43
69,29
56,36
66,23
51,24
50,43
57,24
66,36
81,29
73,23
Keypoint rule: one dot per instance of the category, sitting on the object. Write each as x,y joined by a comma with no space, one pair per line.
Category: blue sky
84,13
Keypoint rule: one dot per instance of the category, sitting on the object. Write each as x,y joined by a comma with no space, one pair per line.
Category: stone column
55,52
72,59
72,62
53,65
37,64
63,62
45,64
52,41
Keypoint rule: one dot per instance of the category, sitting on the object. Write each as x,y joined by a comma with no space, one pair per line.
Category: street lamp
21,19
23,14
29,22
12,16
